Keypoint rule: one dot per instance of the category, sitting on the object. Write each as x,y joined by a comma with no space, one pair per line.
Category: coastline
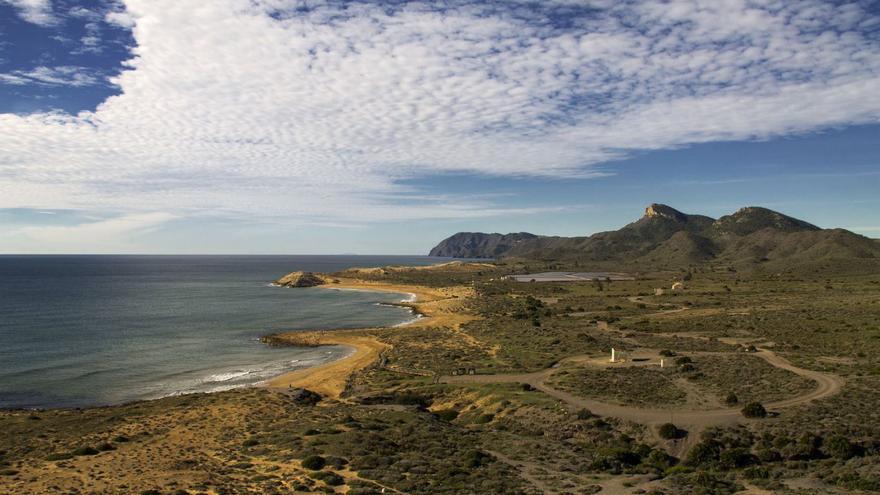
431,306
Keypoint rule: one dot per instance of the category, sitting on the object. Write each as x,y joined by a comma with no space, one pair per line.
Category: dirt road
827,385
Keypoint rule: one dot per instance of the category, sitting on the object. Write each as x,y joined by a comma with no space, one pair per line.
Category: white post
612,356
661,363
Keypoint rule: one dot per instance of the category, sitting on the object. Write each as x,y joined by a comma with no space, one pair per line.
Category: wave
225,377
417,317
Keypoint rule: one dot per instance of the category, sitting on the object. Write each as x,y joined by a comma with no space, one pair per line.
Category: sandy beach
438,307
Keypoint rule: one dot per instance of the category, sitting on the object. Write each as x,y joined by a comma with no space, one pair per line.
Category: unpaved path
827,385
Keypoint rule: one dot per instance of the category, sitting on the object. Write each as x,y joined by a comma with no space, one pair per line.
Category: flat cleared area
570,276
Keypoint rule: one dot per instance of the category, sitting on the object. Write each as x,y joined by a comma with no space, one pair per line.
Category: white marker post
613,357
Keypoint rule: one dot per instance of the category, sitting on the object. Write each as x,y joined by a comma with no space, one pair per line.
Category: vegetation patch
636,386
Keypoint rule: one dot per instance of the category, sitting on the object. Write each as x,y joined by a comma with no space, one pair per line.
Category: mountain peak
660,210
754,218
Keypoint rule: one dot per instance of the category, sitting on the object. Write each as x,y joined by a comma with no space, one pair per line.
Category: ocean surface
81,331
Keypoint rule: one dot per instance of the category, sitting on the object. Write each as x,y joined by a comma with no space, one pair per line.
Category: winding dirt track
827,385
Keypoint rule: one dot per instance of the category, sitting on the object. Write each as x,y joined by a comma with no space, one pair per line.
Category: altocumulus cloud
322,109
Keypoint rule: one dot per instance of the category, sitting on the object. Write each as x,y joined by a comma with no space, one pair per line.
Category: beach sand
437,306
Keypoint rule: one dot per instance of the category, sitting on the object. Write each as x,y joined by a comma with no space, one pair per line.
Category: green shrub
840,447
668,431
754,410
756,473
314,462
687,367
475,458
250,442
329,478
85,451
446,414
660,460
59,456
8,472
731,399
736,458
106,447
769,455
705,452
336,462
484,418
585,414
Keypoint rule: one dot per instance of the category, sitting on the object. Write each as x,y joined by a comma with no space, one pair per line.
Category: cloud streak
323,109
117,234
34,11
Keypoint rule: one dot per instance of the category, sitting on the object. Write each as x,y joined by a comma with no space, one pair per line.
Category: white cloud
319,110
34,11
121,19
65,75
109,235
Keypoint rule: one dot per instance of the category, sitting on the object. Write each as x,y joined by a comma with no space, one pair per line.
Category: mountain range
666,237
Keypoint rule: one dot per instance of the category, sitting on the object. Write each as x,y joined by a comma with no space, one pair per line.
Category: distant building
678,286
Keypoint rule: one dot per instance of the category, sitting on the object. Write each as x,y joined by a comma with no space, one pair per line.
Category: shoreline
330,378
361,349
429,305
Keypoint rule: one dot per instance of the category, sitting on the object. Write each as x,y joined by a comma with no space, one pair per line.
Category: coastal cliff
479,245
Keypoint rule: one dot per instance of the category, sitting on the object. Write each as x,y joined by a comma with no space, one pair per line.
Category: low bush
314,462
754,410
337,462
329,478
585,414
446,414
484,418
840,447
669,431
85,451
736,458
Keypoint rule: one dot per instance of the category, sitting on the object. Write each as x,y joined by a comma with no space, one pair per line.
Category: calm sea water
93,330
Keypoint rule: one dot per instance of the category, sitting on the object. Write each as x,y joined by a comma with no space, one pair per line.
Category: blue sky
286,126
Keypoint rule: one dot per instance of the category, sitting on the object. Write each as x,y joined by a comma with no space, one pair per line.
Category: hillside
666,237
479,245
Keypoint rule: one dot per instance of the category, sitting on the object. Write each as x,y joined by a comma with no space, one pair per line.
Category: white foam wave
232,375
412,320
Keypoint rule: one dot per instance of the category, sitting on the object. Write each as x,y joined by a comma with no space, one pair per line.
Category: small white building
678,286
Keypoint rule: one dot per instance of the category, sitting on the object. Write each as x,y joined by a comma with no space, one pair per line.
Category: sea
80,331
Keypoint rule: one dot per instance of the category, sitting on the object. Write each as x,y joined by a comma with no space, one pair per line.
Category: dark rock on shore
301,279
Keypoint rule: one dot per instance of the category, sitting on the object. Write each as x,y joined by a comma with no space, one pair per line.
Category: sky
368,127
